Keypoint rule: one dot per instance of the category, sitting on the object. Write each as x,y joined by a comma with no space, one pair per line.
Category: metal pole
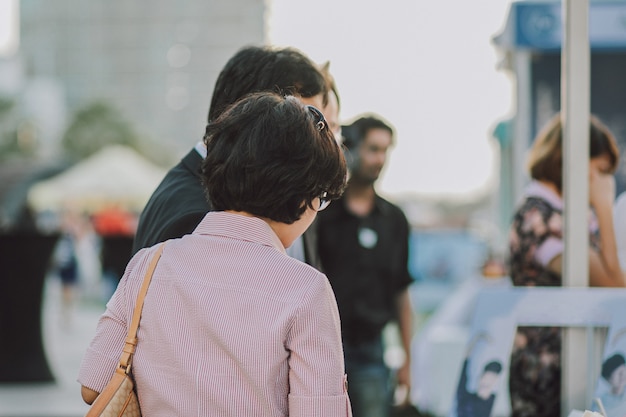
575,107
522,123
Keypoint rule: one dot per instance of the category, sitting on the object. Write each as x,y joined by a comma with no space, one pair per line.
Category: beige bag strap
131,337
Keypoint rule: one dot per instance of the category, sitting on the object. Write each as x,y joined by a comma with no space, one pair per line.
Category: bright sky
429,67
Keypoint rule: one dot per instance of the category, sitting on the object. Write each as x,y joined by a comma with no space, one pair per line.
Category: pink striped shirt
231,326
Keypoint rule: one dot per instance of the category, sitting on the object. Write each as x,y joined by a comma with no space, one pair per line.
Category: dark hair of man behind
252,69
355,133
265,156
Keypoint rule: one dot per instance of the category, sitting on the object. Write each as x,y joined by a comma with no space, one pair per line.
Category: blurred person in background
536,253
178,204
232,325
116,227
363,244
65,262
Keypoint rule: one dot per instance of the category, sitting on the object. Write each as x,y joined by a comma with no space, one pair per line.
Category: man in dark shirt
179,204
363,245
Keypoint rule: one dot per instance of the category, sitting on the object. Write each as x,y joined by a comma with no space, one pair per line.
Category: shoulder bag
119,397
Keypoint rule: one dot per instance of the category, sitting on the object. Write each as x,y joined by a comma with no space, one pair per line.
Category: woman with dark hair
536,249
231,325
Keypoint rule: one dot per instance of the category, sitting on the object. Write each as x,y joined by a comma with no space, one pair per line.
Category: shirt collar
537,189
201,149
239,227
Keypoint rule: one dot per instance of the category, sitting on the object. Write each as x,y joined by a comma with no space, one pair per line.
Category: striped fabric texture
231,326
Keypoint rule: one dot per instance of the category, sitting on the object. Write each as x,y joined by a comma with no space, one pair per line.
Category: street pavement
66,336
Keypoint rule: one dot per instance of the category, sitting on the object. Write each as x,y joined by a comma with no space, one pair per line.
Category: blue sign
539,25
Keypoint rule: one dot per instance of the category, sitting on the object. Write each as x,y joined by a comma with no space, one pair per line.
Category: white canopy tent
116,175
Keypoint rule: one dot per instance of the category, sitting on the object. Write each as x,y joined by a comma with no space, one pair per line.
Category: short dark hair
611,364
493,366
354,133
285,71
545,160
266,156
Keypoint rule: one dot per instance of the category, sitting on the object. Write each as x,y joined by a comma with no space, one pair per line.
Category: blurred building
156,60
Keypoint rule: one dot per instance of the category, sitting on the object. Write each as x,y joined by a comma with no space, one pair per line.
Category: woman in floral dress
536,250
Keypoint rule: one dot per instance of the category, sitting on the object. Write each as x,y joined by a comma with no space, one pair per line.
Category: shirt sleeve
404,278
316,368
102,356
548,250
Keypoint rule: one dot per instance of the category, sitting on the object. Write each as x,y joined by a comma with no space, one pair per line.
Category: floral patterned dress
536,237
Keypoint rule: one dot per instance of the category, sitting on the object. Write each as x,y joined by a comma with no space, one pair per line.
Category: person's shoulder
312,281
390,208
180,178
181,187
139,261
172,222
287,279
175,208
383,202
288,263
536,202
297,270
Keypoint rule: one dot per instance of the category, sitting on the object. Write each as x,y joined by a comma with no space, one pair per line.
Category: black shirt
177,205
366,261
